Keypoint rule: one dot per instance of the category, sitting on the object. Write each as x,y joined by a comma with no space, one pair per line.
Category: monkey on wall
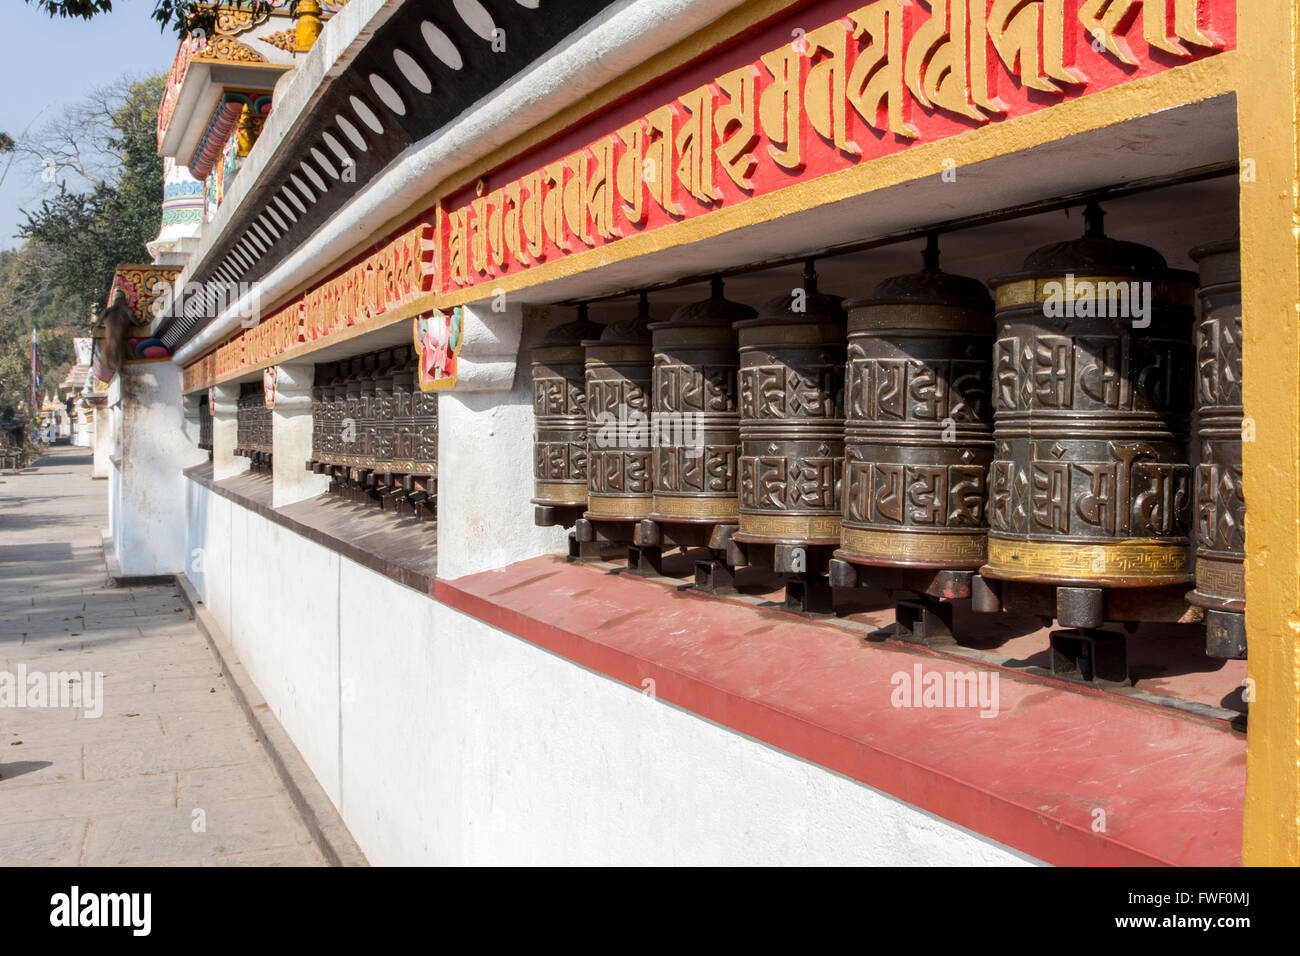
117,322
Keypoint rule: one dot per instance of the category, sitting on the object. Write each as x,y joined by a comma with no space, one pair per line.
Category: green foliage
91,233
85,9
29,299
74,242
185,16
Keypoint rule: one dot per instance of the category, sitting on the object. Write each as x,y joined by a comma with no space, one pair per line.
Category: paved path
170,771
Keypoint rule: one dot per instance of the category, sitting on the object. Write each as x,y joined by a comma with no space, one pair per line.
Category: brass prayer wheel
560,412
695,416
322,378
424,430
918,434
791,386
619,476
205,425
368,419
1220,514
403,456
244,420
1092,372
252,422
349,433
381,410
332,410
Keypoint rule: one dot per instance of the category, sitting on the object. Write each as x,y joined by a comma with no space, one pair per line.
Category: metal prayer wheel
404,443
374,413
560,413
1092,368
205,424
261,424
791,388
424,431
332,411
695,411
1220,514
322,377
242,421
365,413
918,434
382,411
349,433
619,475
250,393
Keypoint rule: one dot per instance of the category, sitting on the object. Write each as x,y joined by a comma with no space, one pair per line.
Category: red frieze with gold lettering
396,273
830,86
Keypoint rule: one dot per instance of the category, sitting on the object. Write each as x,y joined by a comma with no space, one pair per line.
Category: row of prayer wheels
205,427
374,431
1036,437
253,426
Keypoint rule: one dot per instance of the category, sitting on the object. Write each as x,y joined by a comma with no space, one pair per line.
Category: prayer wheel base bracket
809,594
557,516
646,560
804,568
922,596
923,621
582,550
613,531
716,536
419,497
1090,657
1084,607
402,494
713,574
1225,634
945,584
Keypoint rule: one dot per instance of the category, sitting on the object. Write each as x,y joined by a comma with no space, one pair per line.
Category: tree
105,207
107,146
186,16
30,299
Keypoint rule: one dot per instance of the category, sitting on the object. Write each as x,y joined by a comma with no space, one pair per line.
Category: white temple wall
147,491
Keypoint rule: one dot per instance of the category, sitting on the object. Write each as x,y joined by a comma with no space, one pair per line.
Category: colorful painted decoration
139,350
270,379
438,336
222,124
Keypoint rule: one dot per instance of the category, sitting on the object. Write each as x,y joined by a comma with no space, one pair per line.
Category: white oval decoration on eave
293,198
441,46
412,70
350,131
284,208
323,162
366,114
314,176
301,186
476,17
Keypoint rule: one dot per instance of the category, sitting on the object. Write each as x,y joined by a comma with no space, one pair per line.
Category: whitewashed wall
147,490
443,740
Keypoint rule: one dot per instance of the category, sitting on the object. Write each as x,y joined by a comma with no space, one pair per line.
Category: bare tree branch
80,147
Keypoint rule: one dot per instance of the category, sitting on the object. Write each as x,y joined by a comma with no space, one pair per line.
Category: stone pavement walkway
169,772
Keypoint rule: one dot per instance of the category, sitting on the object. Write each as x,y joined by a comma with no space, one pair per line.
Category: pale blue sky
47,64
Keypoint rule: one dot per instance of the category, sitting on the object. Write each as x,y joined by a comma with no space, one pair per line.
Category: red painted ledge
1032,777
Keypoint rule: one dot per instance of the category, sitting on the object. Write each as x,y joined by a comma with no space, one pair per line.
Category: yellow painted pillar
1268,118
308,26
250,127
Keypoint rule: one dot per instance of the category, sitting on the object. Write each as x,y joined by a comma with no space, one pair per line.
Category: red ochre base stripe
1172,786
